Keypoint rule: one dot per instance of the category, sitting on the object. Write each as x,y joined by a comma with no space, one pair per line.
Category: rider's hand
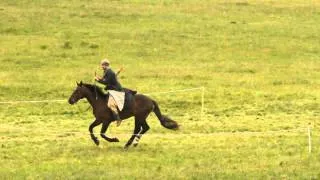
97,78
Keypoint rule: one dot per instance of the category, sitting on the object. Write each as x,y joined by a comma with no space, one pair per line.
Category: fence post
202,103
309,139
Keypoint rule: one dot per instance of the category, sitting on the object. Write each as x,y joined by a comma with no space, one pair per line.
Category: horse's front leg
104,128
94,124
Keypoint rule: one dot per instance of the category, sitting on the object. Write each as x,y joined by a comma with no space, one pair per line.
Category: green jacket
110,80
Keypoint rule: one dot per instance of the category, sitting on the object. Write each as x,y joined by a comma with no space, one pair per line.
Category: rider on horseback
110,80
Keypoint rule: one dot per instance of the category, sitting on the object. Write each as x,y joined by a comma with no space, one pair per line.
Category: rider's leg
115,112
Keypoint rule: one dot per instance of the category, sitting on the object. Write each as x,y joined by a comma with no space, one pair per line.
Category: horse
138,105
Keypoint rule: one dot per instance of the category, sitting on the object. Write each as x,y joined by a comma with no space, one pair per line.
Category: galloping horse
139,106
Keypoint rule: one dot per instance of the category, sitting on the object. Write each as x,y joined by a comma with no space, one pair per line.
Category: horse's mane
95,89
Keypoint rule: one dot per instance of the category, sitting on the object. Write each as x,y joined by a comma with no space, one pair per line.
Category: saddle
127,90
133,92
122,99
116,98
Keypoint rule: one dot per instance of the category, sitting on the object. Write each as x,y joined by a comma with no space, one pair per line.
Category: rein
95,90
80,110
95,86
96,96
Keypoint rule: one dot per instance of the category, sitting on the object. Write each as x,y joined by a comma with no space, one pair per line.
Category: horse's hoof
126,147
96,141
115,140
135,144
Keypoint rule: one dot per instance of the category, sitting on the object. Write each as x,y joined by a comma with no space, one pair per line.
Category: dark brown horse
139,106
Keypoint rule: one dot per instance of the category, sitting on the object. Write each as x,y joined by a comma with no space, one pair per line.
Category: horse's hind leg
136,130
144,128
94,124
104,128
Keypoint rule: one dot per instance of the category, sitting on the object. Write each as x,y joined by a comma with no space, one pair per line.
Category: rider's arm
108,78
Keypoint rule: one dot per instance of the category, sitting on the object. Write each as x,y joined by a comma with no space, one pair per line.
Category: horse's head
77,94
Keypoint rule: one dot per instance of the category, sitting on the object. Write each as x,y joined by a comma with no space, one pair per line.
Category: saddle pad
118,97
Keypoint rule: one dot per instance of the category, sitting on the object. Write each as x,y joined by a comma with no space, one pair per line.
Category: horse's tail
164,120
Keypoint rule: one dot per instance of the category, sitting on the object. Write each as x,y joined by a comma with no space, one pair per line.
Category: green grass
258,61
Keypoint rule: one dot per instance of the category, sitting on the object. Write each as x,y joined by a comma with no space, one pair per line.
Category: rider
110,80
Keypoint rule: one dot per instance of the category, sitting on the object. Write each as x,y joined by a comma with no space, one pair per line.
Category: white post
309,139
202,103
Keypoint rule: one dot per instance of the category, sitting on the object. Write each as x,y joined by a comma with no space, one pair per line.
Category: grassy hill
257,60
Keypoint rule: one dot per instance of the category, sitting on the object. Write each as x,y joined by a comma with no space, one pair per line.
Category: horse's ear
77,83
81,83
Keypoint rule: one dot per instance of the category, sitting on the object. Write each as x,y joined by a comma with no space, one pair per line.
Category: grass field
258,61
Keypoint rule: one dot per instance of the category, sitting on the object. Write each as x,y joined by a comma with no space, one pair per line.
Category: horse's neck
94,99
